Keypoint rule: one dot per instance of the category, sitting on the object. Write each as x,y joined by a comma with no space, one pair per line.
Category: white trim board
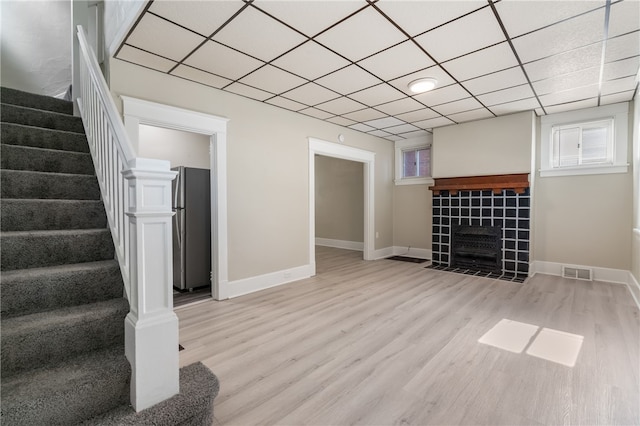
616,276
137,112
402,251
341,244
634,288
273,279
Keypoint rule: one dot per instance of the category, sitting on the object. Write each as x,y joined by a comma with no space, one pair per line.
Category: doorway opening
319,147
139,113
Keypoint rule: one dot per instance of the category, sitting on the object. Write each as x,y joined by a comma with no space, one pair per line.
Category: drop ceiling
350,62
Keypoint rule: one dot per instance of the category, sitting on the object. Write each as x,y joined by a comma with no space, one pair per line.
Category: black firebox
476,248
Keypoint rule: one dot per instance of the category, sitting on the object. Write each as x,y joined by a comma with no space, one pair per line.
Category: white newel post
151,327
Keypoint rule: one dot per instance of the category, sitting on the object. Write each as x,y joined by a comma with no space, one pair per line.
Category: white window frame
407,145
619,113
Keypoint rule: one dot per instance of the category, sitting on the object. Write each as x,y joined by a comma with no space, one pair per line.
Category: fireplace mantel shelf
495,183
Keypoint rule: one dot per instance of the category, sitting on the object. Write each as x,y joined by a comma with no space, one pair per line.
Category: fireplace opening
476,248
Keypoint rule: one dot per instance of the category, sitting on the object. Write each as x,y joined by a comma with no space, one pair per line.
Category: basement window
589,141
413,162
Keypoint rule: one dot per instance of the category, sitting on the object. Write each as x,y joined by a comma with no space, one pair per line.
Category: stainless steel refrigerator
191,228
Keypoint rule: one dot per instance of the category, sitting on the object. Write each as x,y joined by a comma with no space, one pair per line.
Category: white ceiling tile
348,80
380,133
415,134
433,123
164,38
340,106
189,73
521,17
507,95
341,121
572,80
420,115
483,62
498,80
140,57
364,114
619,85
273,79
313,112
476,114
266,40
622,68
311,61
400,106
443,95
458,106
624,17
562,37
617,97
228,63
286,103
403,128
516,106
567,96
464,35
564,63
311,94
361,127
572,106
189,13
381,123
363,34
397,61
249,92
622,47
405,13
376,95
436,72
310,16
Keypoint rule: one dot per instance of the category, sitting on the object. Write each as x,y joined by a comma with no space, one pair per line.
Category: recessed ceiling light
423,84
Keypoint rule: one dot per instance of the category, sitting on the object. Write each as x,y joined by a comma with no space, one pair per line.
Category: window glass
409,163
594,145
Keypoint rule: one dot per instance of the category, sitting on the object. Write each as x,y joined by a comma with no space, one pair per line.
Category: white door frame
330,149
136,112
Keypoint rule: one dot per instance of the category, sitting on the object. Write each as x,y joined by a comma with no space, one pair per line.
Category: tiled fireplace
501,205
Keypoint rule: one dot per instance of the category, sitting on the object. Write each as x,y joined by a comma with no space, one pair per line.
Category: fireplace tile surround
505,208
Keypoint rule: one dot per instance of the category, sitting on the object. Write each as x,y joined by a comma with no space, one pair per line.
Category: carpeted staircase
62,305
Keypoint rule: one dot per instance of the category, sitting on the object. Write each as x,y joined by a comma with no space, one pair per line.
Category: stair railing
137,198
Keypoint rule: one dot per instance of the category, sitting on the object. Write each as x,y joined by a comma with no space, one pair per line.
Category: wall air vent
585,274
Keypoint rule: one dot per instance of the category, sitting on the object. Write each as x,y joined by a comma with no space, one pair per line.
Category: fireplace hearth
477,248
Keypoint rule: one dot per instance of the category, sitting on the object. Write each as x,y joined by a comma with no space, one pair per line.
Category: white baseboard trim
634,288
402,251
261,282
616,276
342,244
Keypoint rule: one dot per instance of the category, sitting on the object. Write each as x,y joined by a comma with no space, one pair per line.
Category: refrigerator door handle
175,193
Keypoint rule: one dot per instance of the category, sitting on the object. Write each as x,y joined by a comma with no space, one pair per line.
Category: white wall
494,146
36,46
635,238
339,199
583,220
268,169
179,148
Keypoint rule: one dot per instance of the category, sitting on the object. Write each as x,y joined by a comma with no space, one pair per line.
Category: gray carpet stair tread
47,338
35,249
30,184
27,291
36,214
32,100
82,388
16,157
20,134
192,406
38,118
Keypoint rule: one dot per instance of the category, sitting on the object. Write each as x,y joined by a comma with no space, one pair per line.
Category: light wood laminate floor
388,342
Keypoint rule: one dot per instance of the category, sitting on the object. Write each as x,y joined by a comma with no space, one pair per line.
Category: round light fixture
423,84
